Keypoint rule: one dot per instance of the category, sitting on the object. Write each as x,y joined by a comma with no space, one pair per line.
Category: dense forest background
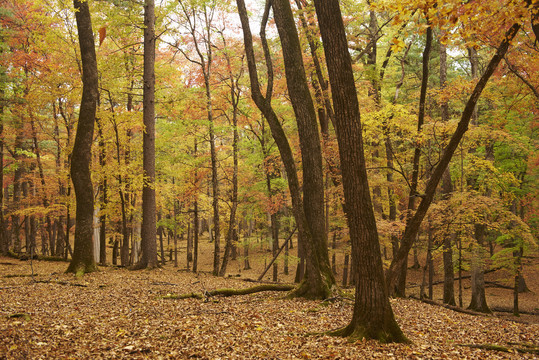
219,173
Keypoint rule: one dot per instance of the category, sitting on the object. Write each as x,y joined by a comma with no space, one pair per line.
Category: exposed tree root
526,349
60,282
355,332
231,292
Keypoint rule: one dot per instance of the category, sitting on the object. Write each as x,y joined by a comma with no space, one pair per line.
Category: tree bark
83,252
148,230
4,239
372,316
478,301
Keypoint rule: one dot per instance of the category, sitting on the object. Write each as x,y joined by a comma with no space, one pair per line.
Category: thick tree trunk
83,252
148,230
478,301
372,317
393,274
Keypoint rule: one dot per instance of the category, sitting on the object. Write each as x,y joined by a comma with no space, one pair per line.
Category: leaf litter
122,314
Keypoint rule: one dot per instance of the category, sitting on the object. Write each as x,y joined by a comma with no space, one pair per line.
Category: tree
372,316
149,245
394,274
83,252
319,277
317,283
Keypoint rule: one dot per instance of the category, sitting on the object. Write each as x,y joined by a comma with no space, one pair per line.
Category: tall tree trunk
4,239
195,218
372,316
104,200
234,98
83,252
447,189
148,231
426,199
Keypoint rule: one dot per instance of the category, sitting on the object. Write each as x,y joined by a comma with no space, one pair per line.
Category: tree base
79,269
356,332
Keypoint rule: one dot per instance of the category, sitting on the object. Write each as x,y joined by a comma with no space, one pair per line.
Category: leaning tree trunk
372,317
83,252
413,225
148,231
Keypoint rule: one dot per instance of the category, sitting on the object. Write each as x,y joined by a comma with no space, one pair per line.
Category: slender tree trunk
104,200
234,96
4,239
447,189
400,289
148,234
372,317
83,252
195,221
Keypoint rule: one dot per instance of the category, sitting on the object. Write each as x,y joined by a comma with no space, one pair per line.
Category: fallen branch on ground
528,349
231,292
59,282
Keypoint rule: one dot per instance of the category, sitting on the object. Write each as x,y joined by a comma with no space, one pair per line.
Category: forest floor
120,314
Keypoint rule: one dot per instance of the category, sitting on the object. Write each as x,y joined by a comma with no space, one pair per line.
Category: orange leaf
102,34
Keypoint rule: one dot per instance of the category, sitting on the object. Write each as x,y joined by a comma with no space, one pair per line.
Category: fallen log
451,307
231,292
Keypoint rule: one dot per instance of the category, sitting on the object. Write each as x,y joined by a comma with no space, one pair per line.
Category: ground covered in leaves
116,313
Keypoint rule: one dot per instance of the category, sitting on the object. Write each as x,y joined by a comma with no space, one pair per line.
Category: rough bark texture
415,222
372,317
4,239
148,230
478,302
319,277
83,252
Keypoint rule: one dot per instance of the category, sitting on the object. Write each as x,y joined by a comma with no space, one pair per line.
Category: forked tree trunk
372,316
83,252
316,287
319,278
